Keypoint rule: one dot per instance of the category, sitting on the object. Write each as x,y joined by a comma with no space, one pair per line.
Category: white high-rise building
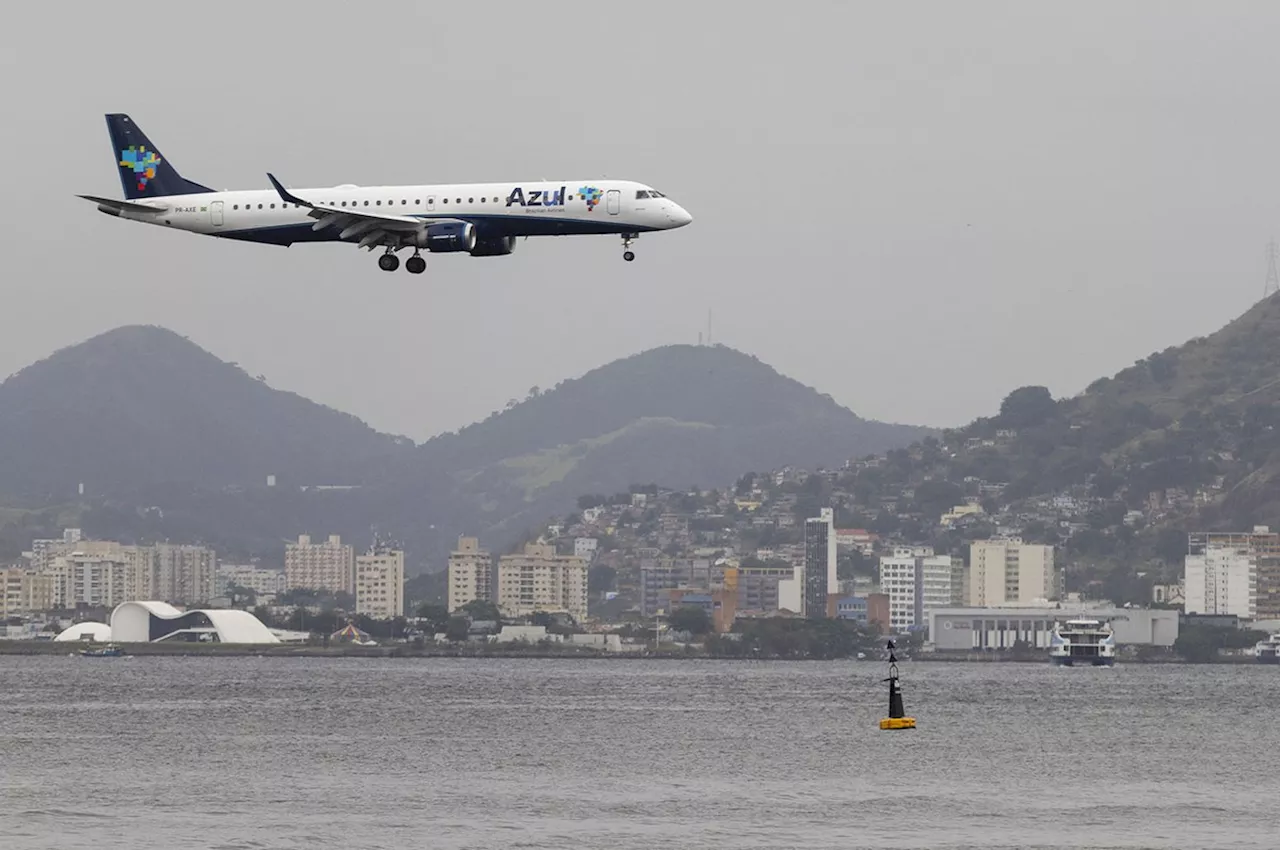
380,583
820,560
540,580
327,566
1009,572
917,581
1222,575
87,578
470,574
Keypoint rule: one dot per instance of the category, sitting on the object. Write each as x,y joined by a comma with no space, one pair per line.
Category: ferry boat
1082,643
108,651
1268,651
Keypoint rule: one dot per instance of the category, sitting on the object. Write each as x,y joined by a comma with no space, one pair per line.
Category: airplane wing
374,228
124,206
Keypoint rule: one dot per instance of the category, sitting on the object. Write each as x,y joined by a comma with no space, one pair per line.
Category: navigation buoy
896,718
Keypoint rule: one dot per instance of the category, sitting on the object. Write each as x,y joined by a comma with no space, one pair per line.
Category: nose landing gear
627,253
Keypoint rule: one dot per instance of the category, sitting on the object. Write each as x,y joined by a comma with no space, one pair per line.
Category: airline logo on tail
142,161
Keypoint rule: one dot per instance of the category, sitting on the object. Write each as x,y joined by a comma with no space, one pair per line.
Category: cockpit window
648,193
641,194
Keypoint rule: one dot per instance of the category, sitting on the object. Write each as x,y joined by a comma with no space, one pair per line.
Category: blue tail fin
144,173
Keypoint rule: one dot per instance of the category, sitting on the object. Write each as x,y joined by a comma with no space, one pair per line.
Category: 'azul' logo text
537,197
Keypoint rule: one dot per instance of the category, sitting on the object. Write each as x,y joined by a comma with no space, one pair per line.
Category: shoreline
214,650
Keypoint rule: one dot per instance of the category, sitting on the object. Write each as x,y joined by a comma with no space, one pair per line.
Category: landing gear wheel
388,262
415,265
628,255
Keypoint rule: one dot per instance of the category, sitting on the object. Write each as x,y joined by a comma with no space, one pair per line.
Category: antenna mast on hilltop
1273,277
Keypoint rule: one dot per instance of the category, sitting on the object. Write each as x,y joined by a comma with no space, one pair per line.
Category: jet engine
446,237
494,246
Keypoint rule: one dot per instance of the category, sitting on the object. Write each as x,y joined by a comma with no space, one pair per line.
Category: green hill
677,416
142,407
172,442
1186,439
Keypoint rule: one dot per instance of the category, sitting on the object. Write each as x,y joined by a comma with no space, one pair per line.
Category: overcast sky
913,207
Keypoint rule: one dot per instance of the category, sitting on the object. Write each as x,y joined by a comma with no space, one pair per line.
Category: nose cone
678,216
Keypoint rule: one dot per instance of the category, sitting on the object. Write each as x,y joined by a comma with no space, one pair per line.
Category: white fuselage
542,208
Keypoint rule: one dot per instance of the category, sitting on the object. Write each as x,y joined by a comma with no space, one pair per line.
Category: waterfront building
538,579
983,629
470,574
380,583
263,581
916,581
820,583
1010,572
1233,573
24,592
328,566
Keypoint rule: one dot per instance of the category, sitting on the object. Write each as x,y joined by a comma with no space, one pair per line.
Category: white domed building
87,631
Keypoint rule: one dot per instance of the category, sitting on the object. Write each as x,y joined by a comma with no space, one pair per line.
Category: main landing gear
627,253
389,262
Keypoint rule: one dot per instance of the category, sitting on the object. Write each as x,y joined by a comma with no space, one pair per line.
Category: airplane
480,219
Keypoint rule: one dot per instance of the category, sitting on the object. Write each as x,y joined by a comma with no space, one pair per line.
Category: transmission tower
1273,276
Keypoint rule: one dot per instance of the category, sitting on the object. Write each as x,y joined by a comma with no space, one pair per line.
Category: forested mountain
169,441
141,407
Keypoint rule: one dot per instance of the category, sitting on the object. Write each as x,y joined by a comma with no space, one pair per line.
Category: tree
692,619
1027,407
437,616
482,609
457,629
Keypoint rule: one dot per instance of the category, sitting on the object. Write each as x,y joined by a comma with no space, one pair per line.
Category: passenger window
471,200
273,206
416,202
259,206
482,200
378,203
366,203
235,206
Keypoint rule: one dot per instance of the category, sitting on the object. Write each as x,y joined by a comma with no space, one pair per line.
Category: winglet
284,193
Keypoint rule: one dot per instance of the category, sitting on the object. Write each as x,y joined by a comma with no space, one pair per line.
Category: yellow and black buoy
895,720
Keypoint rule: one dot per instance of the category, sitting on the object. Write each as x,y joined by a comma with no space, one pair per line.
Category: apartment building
182,575
658,575
263,581
1233,574
380,583
328,566
538,579
1010,572
24,592
470,574
917,581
